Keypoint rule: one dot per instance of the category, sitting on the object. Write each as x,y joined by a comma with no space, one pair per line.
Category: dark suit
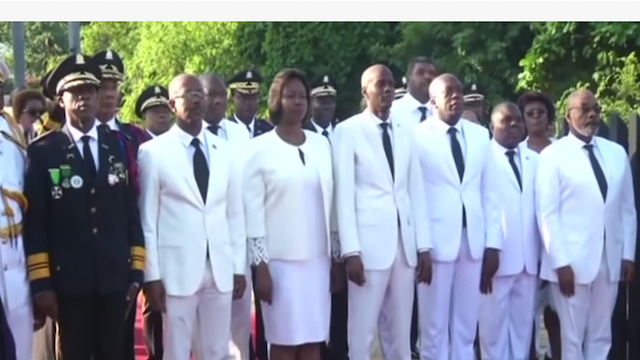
84,241
137,136
337,349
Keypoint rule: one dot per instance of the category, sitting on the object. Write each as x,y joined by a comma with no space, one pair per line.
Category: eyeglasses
585,109
536,113
191,95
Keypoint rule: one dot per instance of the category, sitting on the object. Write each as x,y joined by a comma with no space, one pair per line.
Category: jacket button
93,191
95,231
93,210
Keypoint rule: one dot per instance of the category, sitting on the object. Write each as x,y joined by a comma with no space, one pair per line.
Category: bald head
441,82
583,114
378,89
504,108
372,73
507,124
212,80
446,93
179,82
186,99
216,98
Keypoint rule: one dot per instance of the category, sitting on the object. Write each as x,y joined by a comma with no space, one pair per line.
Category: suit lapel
605,164
375,141
184,166
214,161
526,172
400,151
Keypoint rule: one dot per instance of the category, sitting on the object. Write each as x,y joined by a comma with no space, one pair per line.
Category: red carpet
141,349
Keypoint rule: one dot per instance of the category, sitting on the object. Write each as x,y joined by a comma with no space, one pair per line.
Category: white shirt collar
112,124
186,139
320,128
250,125
379,121
574,139
151,134
77,134
503,149
445,127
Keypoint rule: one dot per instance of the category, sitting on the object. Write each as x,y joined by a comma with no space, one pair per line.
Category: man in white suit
383,217
587,219
216,107
193,222
238,138
459,180
508,306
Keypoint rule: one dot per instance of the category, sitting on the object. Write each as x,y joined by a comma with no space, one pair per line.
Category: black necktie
597,170
325,133
249,130
512,161
456,150
104,128
213,129
386,143
423,112
87,157
200,169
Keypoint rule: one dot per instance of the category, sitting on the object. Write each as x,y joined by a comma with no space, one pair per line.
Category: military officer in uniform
112,69
244,89
152,107
14,284
474,101
82,233
323,107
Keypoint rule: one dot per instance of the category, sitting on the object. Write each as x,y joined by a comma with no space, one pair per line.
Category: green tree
102,35
566,56
484,53
46,43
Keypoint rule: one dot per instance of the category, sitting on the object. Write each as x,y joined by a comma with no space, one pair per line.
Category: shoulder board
43,135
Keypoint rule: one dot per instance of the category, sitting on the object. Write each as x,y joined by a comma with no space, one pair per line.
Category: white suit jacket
521,239
446,194
369,202
178,226
274,193
233,132
575,223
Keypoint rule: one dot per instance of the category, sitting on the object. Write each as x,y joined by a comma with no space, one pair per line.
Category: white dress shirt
93,142
249,126
379,122
320,129
113,124
409,108
186,139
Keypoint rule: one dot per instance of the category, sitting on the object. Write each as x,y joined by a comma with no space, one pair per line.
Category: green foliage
46,43
483,53
554,57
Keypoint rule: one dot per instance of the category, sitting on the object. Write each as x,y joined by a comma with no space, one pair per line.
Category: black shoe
415,354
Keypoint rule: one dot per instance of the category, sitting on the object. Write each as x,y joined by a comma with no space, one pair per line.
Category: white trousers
391,291
20,321
585,318
448,308
208,311
44,341
241,323
506,318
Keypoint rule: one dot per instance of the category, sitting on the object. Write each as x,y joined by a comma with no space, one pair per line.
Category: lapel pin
214,146
70,156
104,146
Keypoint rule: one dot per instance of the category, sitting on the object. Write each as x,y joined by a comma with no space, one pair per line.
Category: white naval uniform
382,219
591,234
450,304
507,313
14,283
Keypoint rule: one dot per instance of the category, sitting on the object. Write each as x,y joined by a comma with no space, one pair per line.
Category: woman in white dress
288,198
539,116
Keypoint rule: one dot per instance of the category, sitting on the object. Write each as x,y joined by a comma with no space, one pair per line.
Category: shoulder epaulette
43,135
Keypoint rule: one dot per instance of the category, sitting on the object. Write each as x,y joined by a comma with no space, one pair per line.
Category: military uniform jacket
137,135
81,237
